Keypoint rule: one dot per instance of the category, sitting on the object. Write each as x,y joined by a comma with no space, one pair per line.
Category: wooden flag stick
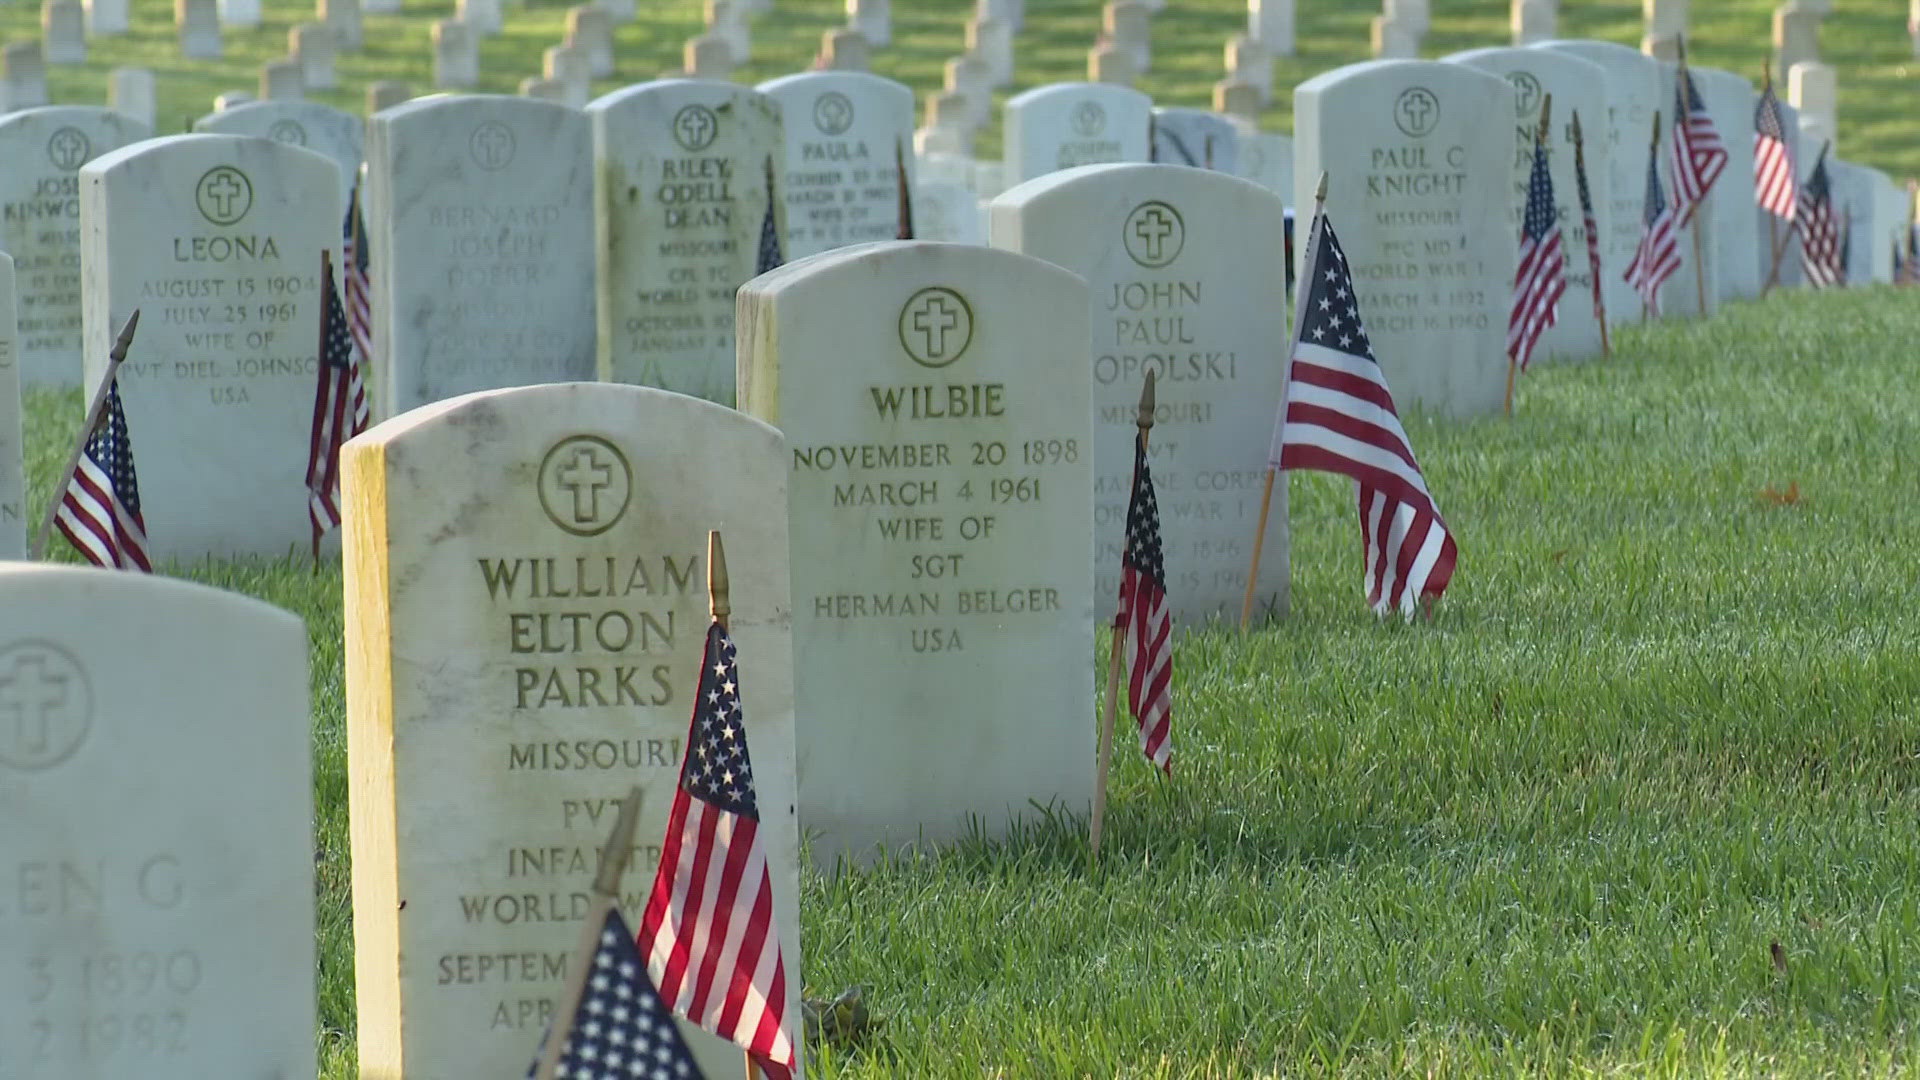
1143,419
61,482
606,890
1599,294
1301,289
1699,266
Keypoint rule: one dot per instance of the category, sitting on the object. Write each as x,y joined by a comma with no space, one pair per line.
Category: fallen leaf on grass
1789,497
1779,957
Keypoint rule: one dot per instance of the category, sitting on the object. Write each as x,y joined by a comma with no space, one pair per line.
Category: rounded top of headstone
479,411
438,106
844,81
1131,180
639,95
126,128
258,113
1077,90
905,259
1408,70
245,149
19,577
1593,50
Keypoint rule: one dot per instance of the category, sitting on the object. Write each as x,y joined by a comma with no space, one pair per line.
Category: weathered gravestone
325,130
40,226
519,652
1187,275
843,132
1418,186
941,516
1066,124
680,202
1576,86
480,217
1730,101
13,484
1195,137
217,240
1633,95
160,917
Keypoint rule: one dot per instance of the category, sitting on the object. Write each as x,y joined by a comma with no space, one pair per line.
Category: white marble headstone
63,31
217,240
106,18
1270,22
1418,187
1061,125
1576,86
25,74
941,516
844,130
130,92
321,128
13,482
480,212
1267,159
161,919
590,28
386,93
483,16
523,645
1730,101
456,55
197,23
344,17
241,13
681,201
1128,25
313,45
1196,137
1796,35
40,227
874,20
284,79
948,212
1187,274
572,68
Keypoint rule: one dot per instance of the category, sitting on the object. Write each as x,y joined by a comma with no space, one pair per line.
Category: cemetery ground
1639,801
1861,39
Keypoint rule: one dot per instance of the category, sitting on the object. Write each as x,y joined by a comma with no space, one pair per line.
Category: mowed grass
1865,39
1667,717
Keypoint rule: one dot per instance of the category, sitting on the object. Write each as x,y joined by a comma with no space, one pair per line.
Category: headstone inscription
680,203
13,483
162,922
1575,86
337,135
519,654
845,130
1421,209
1062,125
1633,95
1187,275
941,471
480,208
40,227
217,240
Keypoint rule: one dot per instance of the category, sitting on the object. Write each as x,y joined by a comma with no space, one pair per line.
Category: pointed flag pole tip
1546,117
613,857
1144,418
717,584
1320,193
125,341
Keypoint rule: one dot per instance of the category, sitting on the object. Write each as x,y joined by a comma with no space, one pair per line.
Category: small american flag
1144,619
100,512
770,257
1773,185
1820,255
621,1030
358,288
1590,224
906,194
708,933
1338,417
1699,157
1658,256
1542,277
339,409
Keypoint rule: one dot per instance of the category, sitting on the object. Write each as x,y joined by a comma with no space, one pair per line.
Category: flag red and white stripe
1592,228
1144,619
709,934
100,511
1820,247
1339,417
1773,183
1699,157
1658,256
339,409
355,283
1541,278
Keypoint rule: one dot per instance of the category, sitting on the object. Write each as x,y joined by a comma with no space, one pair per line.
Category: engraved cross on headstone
495,144
1416,107
934,320
33,697
584,477
223,190
69,148
695,127
1153,228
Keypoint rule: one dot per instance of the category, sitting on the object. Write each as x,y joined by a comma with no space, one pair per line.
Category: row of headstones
524,607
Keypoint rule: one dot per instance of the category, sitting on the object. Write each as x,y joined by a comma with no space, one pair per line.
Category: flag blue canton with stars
622,1031
770,258
1332,313
1540,212
717,770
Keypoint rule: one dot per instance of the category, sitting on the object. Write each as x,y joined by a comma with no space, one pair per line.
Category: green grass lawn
1663,721
1866,39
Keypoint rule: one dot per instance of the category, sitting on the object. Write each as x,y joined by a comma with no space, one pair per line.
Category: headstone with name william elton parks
40,195
480,217
13,483
520,650
1062,125
1575,86
1187,271
1418,186
843,132
217,240
941,515
680,200
338,134
155,772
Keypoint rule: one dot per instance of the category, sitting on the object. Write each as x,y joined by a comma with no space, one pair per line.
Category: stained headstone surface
844,130
40,227
480,208
941,471
1418,192
161,923
1187,275
522,647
